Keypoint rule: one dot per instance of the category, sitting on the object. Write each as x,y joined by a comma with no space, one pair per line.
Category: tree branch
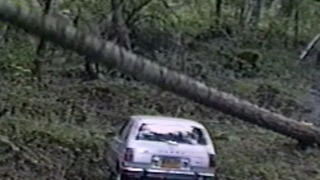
136,10
311,44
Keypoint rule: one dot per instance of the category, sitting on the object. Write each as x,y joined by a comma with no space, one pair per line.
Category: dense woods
248,48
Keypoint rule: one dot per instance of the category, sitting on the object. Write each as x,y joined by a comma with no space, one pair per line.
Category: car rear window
175,133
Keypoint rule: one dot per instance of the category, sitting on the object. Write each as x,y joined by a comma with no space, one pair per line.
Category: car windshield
174,133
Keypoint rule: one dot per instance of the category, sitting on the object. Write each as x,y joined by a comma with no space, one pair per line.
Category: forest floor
58,130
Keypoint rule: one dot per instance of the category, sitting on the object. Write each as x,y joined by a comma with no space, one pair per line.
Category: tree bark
109,54
256,12
296,23
119,25
218,12
41,49
4,35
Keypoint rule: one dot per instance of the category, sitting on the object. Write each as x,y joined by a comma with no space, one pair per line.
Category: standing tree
256,12
218,12
296,22
40,51
121,31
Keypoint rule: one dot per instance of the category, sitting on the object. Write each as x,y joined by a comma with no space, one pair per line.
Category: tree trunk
121,33
287,8
40,52
256,12
218,12
112,55
242,11
296,23
4,35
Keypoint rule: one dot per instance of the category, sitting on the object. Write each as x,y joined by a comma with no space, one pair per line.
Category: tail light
212,160
128,155
185,163
155,161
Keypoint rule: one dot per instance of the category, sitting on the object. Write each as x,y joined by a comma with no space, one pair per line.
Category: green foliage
89,8
245,62
65,118
17,60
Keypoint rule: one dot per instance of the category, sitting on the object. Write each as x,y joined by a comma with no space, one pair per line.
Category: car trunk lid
197,155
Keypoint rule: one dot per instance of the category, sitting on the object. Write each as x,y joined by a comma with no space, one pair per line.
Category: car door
118,143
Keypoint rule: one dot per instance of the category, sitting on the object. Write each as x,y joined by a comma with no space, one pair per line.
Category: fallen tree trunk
310,46
111,55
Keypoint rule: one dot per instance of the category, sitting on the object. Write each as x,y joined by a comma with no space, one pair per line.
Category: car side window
123,127
125,131
126,135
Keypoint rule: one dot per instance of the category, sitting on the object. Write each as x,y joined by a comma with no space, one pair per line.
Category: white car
148,147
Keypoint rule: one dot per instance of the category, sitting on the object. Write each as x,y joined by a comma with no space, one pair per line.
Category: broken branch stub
111,55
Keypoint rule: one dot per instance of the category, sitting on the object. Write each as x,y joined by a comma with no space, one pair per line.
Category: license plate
170,163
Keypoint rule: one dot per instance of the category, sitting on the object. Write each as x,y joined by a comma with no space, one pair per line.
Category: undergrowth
58,129
60,132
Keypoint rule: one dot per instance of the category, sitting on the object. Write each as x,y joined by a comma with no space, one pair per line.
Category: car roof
165,120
